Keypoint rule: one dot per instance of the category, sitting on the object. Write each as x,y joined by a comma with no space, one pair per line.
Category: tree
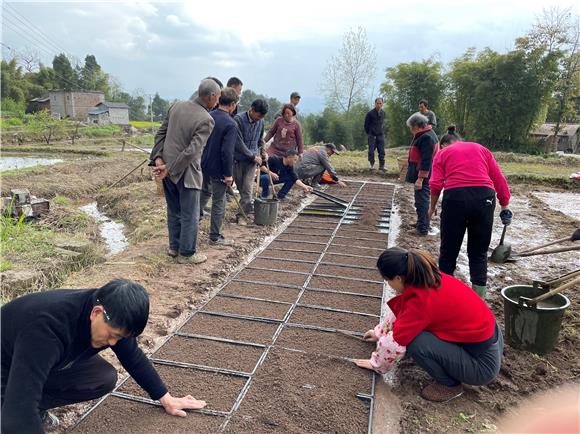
274,105
92,77
159,106
348,75
405,85
65,76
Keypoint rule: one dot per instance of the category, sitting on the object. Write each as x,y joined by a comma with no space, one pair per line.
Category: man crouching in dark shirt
50,346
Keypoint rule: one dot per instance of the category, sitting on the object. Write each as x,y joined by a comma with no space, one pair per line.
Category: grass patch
100,131
23,241
5,265
145,124
61,200
55,150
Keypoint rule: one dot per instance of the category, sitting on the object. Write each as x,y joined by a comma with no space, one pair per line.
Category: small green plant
5,265
61,200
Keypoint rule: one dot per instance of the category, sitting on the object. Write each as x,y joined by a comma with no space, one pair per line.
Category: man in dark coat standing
374,127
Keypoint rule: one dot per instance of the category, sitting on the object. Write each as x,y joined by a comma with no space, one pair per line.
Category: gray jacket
314,161
180,141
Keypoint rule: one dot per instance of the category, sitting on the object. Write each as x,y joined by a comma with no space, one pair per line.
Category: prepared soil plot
210,353
302,267
289,254
336,247
327,343
240,306
305,237
219,390
355,273
346,285
304,393
300,227
344,232
357,242
307,247
353,303
309,231
261,290
334,320
121,416
350,260
230,328
274,277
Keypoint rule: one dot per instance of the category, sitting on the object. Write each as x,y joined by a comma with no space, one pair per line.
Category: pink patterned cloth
388,352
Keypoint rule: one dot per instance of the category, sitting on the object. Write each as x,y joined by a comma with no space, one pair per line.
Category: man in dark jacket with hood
50,346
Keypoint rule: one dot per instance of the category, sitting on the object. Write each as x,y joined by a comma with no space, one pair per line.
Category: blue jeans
422,202
451,363
182,216
288,182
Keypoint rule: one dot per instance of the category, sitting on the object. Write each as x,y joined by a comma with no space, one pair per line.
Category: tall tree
65,76
92,77
159,106
349,74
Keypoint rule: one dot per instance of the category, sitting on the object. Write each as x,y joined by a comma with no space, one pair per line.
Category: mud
254,308
302,267
336,247
307,247
266,292
355,273
289,254
353,303
346,285
350,260
333,320
272,277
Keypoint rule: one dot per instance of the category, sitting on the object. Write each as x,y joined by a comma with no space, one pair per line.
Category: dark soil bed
267,292
230,328
304,237
121,416
355,273
353,303
210,353
355,242
346,285
307,247
273,277
307,231
219,390
282,265
300,393
238,306
350,260
333,320
288,254
344,232
304,227
322,342
351,250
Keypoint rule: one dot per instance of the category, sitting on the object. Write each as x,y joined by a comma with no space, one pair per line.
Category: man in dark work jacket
50,342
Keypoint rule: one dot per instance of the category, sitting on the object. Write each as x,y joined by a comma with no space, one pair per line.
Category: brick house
73,104
109,113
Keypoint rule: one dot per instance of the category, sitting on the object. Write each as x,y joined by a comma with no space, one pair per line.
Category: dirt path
522,373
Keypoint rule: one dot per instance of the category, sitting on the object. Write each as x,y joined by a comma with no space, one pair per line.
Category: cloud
175,21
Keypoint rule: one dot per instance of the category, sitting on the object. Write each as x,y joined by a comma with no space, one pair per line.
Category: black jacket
49,331
217,160
374,122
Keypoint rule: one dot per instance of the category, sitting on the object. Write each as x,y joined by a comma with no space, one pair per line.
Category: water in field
111,231
11,163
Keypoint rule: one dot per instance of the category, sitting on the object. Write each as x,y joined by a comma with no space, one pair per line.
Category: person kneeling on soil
439,321
50,346
315,166
282,172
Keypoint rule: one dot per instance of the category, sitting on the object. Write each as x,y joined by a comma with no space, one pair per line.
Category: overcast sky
274,47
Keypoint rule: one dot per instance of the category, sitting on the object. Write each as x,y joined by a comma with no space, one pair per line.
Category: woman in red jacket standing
471,178
439,321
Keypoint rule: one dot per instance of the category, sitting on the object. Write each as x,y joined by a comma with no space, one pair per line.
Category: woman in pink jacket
287,134
471,179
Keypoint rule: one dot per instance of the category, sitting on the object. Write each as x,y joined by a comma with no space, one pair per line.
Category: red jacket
467,164
453,312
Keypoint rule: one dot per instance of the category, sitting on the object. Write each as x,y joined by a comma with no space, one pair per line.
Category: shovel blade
501,253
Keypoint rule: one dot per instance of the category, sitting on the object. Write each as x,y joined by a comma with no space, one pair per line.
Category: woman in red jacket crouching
439,321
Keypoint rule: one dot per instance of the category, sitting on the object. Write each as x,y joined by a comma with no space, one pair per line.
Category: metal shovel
503,251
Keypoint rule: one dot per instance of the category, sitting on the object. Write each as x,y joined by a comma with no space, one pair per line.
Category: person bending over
315,166
50,346
282,172
439,321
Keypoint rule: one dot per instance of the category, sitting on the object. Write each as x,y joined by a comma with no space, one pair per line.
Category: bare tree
349,74
29,59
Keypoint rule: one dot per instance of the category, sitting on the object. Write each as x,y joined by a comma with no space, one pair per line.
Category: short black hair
424,102
260,106
234,81
126,303
291,153
379,98
218,81
288,107
228,95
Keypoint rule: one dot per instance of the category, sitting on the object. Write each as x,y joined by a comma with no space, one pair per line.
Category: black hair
289,107
228,95
450,137
378,98
234,81
260,106
126,303
219,83
416,267
424,102
291,153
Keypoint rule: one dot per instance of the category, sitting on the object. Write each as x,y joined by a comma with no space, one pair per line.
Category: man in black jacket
50,346
374,121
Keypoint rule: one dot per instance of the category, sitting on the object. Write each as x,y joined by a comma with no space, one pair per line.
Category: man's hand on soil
176,406
341,184
370,336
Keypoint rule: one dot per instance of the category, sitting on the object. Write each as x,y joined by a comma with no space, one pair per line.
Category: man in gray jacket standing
177,153
314,162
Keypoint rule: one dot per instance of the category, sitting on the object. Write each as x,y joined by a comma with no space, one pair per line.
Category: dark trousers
215,189
378,143
470,209
245,178
422,202
83,381
288,182
451,363
182,216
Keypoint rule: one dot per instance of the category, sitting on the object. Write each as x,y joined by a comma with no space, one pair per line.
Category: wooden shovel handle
554,291
546,252
545,245
271,181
